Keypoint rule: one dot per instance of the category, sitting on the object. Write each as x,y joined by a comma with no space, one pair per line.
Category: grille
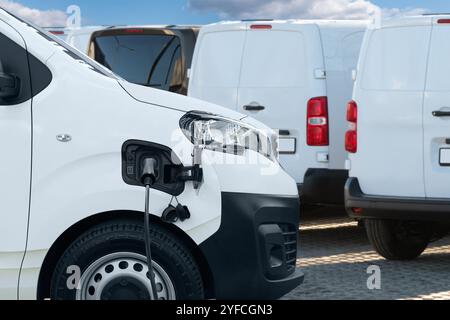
290,244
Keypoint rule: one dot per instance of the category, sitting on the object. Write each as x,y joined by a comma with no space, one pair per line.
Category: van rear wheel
108,263
398,240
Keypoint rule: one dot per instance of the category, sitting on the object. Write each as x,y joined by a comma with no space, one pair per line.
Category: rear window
396,59
149,60
274,59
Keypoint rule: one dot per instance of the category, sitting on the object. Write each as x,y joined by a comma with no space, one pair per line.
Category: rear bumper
253,255
323,186
393,208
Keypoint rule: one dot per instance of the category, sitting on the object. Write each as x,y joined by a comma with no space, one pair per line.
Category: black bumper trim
324,187
238,252
393,208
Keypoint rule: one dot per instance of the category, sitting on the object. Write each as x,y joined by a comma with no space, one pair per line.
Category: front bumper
253,255
362,206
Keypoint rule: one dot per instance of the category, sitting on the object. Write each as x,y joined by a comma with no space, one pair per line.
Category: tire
398,240
112,265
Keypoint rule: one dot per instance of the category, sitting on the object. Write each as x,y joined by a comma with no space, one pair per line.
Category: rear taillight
317,122
351,137
57,33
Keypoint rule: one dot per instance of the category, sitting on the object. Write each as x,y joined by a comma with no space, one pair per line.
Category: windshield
72,52
151,60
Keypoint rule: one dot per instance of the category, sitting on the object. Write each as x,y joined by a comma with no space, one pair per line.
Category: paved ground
334,253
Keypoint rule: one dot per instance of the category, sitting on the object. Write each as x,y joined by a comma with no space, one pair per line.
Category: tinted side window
14,61
150,60
41,76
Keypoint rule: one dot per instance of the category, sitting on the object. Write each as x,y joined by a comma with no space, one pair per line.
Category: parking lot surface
335,255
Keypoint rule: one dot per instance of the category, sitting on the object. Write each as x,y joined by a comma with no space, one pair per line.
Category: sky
118,12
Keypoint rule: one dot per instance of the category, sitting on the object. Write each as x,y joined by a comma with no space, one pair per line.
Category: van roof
426,19
293,23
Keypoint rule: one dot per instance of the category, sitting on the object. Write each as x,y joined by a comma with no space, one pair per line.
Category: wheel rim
123,276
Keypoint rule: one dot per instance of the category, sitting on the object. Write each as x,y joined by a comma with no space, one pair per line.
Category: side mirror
9,86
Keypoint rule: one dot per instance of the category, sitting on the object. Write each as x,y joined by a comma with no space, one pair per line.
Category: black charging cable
148,178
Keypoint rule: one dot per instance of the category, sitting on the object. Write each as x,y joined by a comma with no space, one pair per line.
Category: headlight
225,135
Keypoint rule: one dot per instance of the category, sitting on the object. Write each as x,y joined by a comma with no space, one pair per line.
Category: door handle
254,108
441,113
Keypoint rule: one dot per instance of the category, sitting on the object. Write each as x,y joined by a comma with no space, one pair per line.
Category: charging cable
148,178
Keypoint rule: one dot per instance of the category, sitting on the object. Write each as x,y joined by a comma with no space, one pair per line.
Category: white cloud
300,9
43,18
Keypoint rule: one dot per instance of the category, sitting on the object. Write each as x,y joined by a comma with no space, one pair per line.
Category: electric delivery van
80,144
296,77
399,137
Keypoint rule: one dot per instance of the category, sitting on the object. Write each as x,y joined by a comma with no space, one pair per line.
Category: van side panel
341,50
389,94
217,61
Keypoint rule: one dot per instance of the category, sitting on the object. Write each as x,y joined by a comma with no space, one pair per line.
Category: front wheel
399,240
111,265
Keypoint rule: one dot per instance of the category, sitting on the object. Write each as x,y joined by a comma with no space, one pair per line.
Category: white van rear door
216,64
389,93
437,114
279,65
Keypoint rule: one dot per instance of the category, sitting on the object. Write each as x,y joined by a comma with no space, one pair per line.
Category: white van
78,38
400,135
79,146
294,76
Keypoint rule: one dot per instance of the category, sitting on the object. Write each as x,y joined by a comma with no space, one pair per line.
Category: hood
176,101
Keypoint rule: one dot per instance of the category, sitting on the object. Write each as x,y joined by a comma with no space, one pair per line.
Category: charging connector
148,178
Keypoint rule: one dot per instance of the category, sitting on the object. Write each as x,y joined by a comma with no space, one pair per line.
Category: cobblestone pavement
334,254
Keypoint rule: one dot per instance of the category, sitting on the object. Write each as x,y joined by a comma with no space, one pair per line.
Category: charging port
168,168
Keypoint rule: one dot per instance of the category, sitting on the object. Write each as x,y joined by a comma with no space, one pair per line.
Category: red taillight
351,141
351,137
317,122
443,21
261,27
352,112
57,33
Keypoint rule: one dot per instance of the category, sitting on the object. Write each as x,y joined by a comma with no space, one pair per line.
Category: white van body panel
218,50
280,68
178,102
389,92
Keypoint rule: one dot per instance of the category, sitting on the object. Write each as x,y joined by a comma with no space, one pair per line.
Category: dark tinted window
14,61
150,60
